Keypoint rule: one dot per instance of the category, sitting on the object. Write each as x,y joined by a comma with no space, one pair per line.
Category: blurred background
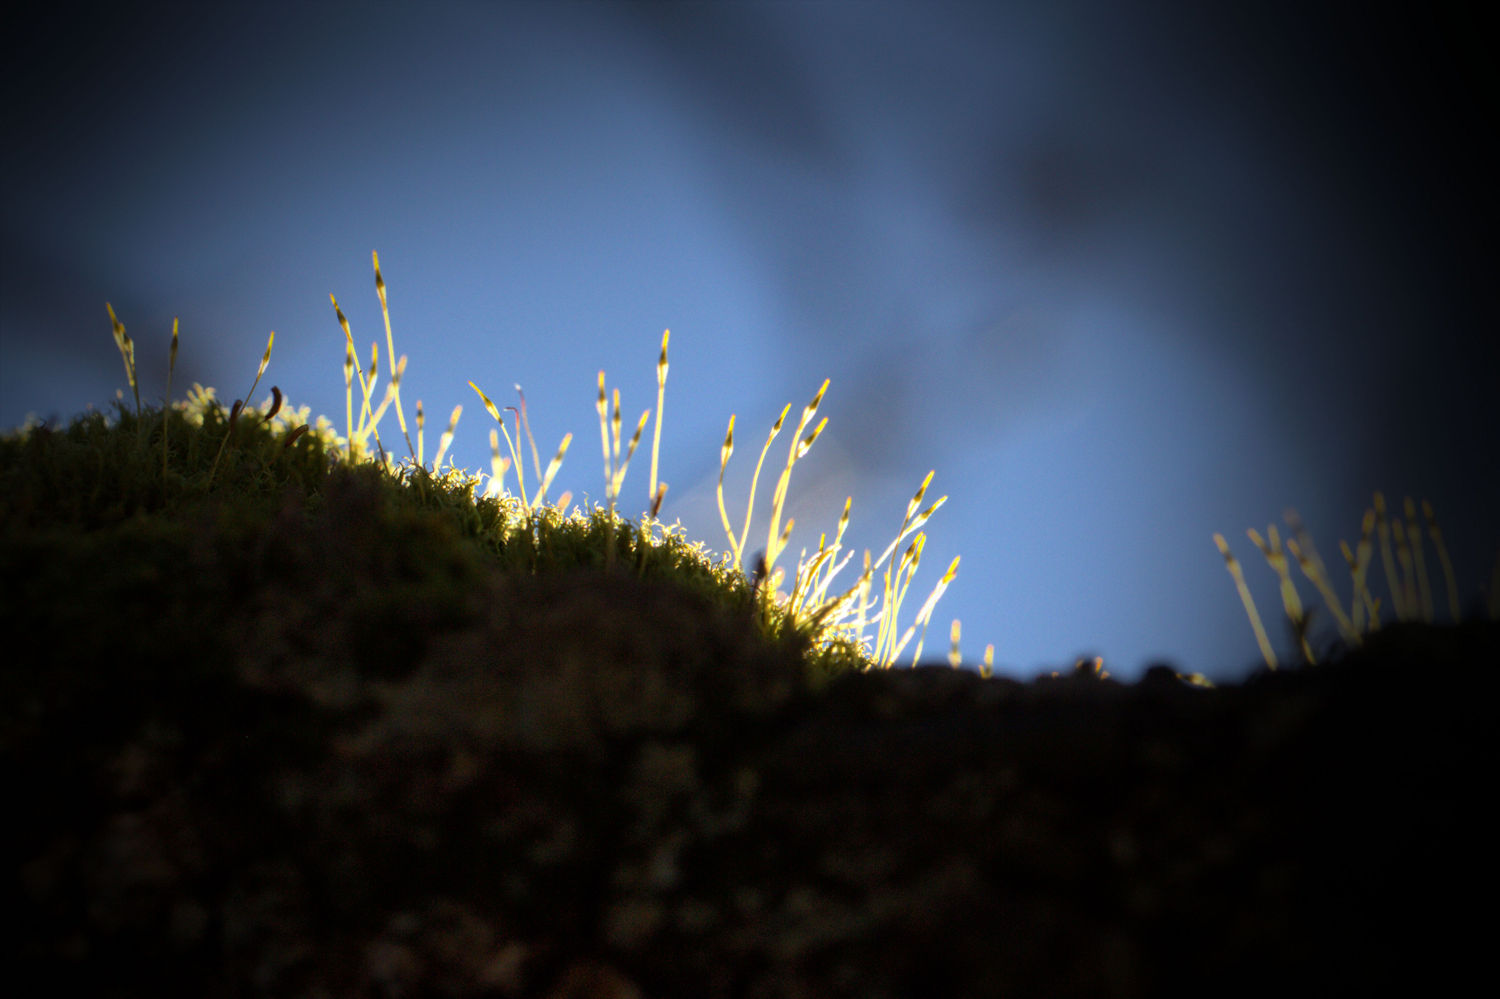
1125,275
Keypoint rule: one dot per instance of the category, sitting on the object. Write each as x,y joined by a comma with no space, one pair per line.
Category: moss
298,720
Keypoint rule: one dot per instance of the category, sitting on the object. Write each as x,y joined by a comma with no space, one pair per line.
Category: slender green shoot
614,466
1233,565
495,444
349,363
235,410
1290,601
421,443
552,467
525,421
367,423
776,537
127,354
1400,542
396,368
737,546
1358,561
655,492
447,438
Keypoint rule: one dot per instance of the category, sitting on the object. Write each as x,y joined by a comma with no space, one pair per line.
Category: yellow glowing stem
390,353
661,400
1239,583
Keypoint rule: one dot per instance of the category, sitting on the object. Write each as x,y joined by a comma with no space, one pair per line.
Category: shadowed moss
1410,589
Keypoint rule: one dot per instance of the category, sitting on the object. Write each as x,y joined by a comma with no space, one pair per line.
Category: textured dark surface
600,787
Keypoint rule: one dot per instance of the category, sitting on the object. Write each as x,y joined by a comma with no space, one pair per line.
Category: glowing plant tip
447,438
955,658
775,540
1092,669
916,499
349,396
922,517
614,427
817,583
1436,535
609,530
536,458
127,354
601,405
863,600
635,439
392,392
988,669
654,494
390,349
755,478
421,442
351,363
895,594
390,354
552,468
488,405
725,450
908,525
510,444
265,359
1239,583
924,616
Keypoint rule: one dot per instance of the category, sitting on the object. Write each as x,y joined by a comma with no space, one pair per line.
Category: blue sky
1123,275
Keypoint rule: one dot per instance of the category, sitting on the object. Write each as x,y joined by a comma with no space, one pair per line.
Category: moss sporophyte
149,461
1409,586
194,453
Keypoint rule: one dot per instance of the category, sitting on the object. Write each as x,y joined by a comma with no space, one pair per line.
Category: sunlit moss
245,459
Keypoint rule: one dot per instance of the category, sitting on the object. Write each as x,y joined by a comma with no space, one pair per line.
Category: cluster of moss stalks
106,516
1412,595
134,526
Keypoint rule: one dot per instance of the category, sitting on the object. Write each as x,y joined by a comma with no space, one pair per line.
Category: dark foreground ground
596,787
